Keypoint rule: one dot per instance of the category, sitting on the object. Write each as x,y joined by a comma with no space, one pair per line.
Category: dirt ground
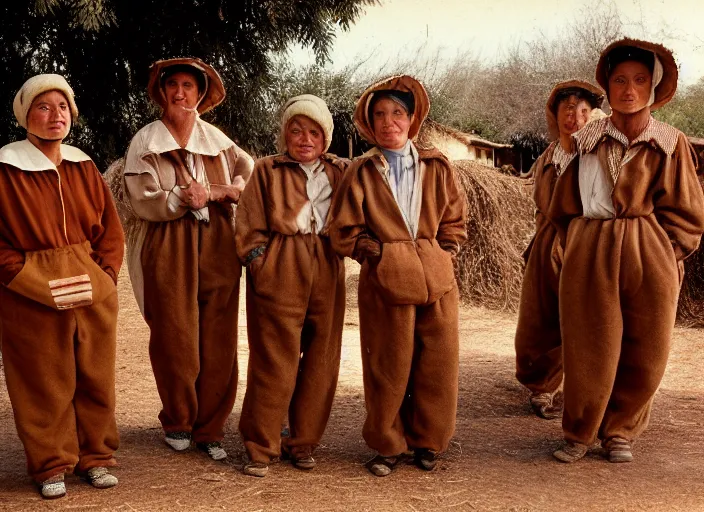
499,459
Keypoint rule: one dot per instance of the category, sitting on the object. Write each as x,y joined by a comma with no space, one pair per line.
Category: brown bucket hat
214,89
551,106
404,83
667,86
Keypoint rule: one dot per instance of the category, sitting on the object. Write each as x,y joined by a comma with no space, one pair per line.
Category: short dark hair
594,100
629,53
405,99
183,68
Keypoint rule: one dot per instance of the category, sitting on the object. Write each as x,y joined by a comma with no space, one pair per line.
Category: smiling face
629,87
390,123
181,91
572,114
305,139
49,116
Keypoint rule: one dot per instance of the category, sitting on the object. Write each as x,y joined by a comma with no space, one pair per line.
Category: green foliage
105,47
686,110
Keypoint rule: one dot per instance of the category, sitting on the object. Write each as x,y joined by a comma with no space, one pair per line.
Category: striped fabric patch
72,292
603,131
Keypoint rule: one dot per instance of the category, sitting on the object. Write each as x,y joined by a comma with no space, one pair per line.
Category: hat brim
551,107
213,96
404,83
667,87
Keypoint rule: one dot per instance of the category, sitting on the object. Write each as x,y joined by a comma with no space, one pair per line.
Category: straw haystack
499,226
130,222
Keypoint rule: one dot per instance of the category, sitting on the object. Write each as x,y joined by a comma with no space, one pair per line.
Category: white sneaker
53,487
214,450
100,478
179,441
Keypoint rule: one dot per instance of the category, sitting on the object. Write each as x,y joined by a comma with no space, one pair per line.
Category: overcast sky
489,28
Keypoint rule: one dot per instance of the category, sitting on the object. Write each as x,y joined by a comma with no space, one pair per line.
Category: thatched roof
469,139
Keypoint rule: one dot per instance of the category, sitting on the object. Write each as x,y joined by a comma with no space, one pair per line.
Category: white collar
27,157
205,139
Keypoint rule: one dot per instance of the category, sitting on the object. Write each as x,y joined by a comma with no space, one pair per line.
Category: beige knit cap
37,85
313,108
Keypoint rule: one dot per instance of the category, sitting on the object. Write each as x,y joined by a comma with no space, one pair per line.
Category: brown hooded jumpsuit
538,342
621,276
408,298
185,271
59,222
295,311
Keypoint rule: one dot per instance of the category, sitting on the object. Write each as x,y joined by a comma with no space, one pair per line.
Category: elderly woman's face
49,116
629,87
181,91
305,139
390,123
572,115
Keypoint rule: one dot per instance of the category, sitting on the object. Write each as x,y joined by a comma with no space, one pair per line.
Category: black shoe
425,459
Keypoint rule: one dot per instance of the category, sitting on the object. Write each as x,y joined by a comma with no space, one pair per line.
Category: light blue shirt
402,177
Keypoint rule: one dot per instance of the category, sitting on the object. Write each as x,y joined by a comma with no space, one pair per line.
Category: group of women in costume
619,206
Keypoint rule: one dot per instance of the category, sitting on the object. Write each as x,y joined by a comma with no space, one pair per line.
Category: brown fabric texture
538,343
619,288
60,373
410,362
60,365
32,216
295,312
408,302
410,271
191,297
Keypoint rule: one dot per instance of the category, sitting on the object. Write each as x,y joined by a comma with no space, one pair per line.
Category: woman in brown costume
182,178
629,210
295,290
401,213
61,248
538,342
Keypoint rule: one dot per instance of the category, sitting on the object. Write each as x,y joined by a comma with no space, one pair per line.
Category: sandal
571,452
382,466
618,449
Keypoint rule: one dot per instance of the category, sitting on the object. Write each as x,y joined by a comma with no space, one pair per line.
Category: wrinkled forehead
305,122
54,96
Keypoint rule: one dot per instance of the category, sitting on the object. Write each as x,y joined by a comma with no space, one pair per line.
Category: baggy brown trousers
191,297
60,373
618,298
410,358
295,318
538,341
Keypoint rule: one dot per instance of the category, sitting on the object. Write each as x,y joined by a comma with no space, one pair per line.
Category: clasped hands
196,196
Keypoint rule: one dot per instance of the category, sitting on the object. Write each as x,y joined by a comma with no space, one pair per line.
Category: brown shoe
618,449
306,462
543,406
571,452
